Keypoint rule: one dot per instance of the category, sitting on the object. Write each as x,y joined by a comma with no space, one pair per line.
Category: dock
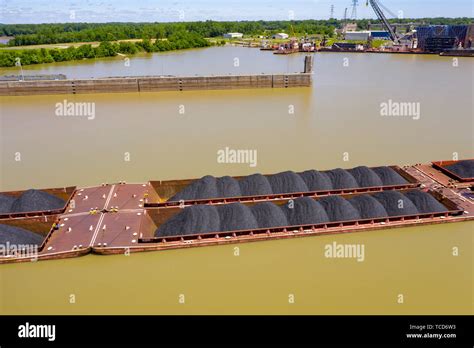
121,218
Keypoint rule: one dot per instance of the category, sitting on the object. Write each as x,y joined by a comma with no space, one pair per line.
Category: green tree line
37,34
176,41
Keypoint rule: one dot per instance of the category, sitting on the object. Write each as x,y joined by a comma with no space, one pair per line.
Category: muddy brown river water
175,135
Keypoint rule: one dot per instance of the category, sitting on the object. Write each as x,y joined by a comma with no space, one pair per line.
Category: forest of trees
36,34
169,36
176,41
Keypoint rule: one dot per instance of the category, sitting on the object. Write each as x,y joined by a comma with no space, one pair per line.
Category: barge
139,84
122,218
64,193
163,190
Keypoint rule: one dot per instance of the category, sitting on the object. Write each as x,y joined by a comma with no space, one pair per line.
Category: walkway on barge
111,219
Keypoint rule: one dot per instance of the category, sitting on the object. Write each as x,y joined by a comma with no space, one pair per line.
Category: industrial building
233,35
364,35
357,35
380,35
350,27
280,36
438,38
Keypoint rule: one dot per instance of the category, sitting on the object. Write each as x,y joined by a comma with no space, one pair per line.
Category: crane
292,30
378,11
344,21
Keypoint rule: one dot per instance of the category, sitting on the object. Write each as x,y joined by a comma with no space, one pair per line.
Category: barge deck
115,219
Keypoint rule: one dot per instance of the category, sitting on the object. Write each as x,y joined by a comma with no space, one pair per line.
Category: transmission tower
332,11
355,3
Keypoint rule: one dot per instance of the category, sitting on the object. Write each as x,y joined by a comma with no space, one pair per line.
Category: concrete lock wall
154,84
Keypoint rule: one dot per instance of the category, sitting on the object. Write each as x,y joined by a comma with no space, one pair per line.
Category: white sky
48,11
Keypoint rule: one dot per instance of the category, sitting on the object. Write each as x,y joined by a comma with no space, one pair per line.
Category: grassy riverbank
28,56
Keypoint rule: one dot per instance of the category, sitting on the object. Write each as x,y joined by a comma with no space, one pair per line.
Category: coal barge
122,218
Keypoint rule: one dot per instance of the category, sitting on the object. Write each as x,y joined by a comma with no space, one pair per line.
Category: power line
355,3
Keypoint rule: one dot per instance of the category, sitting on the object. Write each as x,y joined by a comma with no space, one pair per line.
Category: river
335,123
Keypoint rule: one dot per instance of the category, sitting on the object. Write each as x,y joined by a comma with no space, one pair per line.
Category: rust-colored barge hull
113,219
154,244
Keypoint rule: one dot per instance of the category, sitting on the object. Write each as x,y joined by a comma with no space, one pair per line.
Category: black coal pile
304,211
463,169
339,209
389,176
368,207
316,181
286,182
203,188
396,203
269,215
236,216
16,236
191,220
301,211
36,200
255,185
365,176
228,187
6,202
341,179
424,202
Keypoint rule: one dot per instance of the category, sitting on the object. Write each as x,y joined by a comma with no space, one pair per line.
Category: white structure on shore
357,35
233,35
280,36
